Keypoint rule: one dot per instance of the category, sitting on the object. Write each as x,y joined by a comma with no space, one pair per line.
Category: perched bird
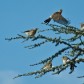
57,17
82,26
65,59
31,33
48,65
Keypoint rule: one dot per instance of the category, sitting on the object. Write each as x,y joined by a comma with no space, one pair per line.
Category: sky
19,15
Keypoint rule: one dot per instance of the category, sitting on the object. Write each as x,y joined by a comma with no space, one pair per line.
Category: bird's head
49,61
82,24
36,29
64,57
60,10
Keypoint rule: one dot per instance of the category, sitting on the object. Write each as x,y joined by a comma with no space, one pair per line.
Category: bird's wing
62,20
44,66
56,16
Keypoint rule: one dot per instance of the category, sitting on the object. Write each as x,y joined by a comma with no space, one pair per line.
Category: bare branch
52,57
36,45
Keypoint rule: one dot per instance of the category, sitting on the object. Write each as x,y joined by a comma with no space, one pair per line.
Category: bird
82,26
65,59
31,33
57,17
47,66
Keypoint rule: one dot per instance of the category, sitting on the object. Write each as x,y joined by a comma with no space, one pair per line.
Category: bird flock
56,17
59,18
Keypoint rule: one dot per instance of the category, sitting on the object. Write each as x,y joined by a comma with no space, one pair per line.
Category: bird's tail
72,66
47,20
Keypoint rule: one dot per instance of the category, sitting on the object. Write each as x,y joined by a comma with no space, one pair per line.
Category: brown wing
56,16
32,32
62,20
48,65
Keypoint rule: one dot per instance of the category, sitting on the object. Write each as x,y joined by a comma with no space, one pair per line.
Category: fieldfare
31,33
65,59
82,26
57,17
48,65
